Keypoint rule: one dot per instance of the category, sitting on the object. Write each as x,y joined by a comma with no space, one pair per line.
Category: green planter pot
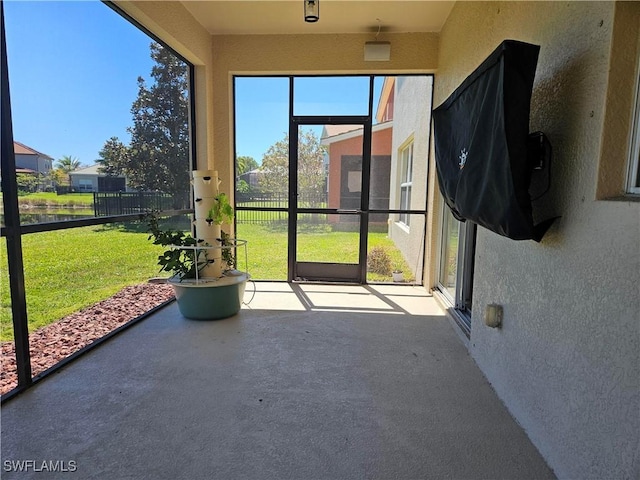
210,299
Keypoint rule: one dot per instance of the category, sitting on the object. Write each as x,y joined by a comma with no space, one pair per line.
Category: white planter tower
205,190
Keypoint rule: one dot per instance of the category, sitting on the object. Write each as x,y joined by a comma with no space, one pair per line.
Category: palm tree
68,164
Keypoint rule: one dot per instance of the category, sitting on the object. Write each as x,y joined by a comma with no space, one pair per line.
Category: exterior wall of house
301,54
380,145
27,161
411,120
38,163
84,183
34,162
44,165
566,360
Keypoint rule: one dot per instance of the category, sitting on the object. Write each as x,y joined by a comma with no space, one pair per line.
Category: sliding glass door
457,254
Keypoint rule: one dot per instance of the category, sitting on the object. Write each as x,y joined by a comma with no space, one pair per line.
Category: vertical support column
12,224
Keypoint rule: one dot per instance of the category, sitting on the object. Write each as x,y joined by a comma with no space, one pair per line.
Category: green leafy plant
222,211
183,263
227,253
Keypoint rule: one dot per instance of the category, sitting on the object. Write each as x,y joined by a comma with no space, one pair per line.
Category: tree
68,164
157,158
275,168
242,186
312,178
245,164
27,183
57,176
311,173
115,160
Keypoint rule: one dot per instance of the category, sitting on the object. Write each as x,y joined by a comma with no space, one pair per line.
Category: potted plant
397,273
204,279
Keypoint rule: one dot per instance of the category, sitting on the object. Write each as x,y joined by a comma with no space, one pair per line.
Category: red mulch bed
58,340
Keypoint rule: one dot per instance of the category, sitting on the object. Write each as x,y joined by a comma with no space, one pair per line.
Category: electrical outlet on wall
493,315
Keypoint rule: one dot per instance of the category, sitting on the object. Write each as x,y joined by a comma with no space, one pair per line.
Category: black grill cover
481,134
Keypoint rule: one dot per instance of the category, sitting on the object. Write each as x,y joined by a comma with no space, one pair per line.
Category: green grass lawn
67,270
267,250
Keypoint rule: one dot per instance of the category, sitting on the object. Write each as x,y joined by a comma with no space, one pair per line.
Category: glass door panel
328,247
312,168
449,262
328,202
328,238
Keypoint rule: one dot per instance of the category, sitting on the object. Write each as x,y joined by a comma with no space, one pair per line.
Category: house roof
333,130
353,132
22,149
25,170
90,170
93,170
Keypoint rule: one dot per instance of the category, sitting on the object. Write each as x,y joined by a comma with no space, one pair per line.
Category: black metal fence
272,201
124,203
266,205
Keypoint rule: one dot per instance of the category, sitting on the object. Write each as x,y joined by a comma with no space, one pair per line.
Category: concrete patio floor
308,382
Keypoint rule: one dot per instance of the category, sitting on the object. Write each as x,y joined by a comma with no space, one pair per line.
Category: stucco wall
380,145
566,361
27,161
34,162
411,119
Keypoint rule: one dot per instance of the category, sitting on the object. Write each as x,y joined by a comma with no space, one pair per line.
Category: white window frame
406,181
633,175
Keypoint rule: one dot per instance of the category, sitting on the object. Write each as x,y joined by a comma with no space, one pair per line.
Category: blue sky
73,69
262,106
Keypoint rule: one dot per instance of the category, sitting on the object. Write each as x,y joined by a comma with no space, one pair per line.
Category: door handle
346,210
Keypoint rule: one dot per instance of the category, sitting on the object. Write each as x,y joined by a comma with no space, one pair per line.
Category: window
406,174
85,185
618,171
633,182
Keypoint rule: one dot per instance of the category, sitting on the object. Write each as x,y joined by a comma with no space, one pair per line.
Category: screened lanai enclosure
330,175
79,119
331,172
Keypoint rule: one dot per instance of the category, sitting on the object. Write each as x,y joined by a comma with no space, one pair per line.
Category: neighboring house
92,179
344,151
33,162
31,159
252,177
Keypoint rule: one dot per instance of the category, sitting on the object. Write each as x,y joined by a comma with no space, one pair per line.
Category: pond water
42,215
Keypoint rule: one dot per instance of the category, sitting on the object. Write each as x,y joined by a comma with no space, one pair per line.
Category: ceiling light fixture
311,10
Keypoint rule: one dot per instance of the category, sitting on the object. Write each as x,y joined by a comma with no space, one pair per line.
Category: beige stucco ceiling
336,16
